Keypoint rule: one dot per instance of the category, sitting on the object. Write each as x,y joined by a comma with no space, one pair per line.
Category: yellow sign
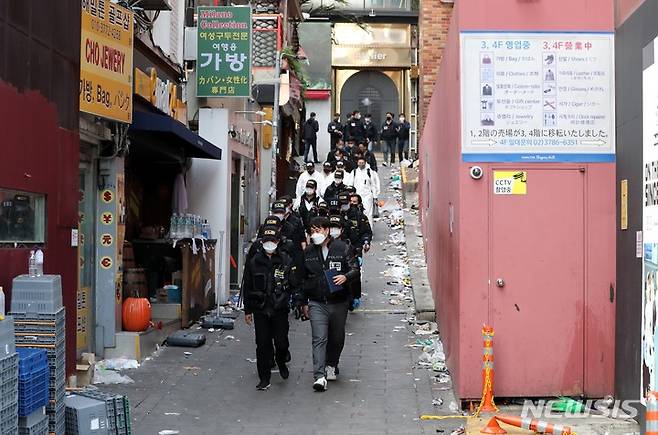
106,60
162,95
624,205
510,182
82,327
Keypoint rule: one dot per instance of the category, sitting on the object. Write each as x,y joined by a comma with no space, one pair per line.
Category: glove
356,303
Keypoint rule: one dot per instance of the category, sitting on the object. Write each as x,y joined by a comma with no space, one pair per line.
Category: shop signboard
224,51
106,59
650,220
537,97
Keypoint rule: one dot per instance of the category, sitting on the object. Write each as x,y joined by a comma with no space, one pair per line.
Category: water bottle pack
187,226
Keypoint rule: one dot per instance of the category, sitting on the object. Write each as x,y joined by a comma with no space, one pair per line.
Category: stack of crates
33,387
85,416
39,316
8,378
34,424
117,408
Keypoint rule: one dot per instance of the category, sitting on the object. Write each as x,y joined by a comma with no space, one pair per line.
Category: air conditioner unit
154,5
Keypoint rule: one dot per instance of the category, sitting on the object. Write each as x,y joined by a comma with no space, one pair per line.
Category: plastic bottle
38,256
32,265
173,226
205,229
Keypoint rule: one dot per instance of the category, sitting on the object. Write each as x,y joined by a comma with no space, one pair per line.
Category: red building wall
39,146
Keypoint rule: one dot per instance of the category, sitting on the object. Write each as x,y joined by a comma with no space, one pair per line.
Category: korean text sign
537,97
224,51
106,60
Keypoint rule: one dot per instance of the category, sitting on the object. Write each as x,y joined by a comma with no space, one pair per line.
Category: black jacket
312,276
370,131
335,130
389,131
403,130
267,282
308,213
354,130
332,191
360,231
371,160
311,129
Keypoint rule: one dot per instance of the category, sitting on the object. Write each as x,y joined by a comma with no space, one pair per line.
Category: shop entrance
86,263
538,310
371,92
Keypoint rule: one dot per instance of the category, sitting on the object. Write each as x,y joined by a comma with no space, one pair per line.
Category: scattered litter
172,413
251,360
192,368
168,432
453,406
458,431
187,353
437,402
103,376
442,378
211,330
229,337
355,380
429,328
118,364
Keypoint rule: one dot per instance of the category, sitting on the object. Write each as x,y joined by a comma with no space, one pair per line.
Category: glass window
22,217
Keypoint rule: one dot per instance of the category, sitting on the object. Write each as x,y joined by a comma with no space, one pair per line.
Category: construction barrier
651,418
535,425
487,402
493,427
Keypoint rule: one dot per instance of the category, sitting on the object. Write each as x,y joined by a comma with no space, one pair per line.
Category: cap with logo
344,197
272,221
312,183
270,233
327,165
335,221
310,165
279,206
339,173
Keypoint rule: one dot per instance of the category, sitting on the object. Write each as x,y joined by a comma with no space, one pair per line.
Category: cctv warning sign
510,183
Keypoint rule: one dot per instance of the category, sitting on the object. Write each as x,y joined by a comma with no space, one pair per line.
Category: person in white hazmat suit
309,174
366,183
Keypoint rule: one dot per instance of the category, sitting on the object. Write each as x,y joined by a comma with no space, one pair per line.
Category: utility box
85,416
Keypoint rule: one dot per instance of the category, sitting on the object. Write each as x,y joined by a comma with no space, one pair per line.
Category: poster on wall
650,219
537,97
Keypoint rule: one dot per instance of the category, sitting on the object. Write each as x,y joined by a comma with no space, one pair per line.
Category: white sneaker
331,373
320,385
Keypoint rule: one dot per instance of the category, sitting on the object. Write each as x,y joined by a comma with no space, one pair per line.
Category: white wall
209,192
168,31
322,109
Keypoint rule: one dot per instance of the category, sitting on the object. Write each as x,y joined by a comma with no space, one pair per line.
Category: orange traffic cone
487,403
493,427
535,425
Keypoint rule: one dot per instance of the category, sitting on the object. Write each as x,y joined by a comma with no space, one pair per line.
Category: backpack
369,176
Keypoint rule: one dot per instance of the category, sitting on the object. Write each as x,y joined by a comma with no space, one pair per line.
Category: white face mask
334,232
338,180
270,247
345,207
401,119
318,238
281,216
310,191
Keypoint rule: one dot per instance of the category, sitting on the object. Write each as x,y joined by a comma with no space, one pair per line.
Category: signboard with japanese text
537,97
224,51
649,240
510,183
106,60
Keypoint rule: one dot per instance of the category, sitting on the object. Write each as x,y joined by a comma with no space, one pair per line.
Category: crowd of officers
308,257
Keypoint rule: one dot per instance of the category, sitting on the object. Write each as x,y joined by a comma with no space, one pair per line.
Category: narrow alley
381,388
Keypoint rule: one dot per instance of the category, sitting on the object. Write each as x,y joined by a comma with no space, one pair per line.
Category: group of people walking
308,258
393,135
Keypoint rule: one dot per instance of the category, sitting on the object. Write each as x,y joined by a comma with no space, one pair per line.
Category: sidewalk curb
423,298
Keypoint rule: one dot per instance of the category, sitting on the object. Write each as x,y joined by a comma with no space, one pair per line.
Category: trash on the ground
172,413
442,378
229,337
251,360
185,338
427,329
105,376
217,322
168,432
211,329
437,401
567,404
453,406
459,431
118,364
355,380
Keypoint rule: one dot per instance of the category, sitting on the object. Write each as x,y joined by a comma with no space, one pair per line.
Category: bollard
487,403
537,426
651,418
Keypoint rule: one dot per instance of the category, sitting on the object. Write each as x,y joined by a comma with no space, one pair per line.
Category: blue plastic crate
33,393
30,361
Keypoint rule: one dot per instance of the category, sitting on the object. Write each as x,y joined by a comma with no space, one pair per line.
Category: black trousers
311,144
270,328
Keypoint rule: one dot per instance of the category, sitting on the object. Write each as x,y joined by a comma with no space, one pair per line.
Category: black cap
310,165
286,199
323,206
339,173
312,114
272,221
312,183
270,233
351,189
327,165
344,197
335,221
279,206
340,164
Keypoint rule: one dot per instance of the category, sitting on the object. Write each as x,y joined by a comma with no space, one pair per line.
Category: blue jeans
403,147
389,147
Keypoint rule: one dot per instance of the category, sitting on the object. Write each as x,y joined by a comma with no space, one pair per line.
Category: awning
168,130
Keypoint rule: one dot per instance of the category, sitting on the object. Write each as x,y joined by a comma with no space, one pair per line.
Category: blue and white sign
537,97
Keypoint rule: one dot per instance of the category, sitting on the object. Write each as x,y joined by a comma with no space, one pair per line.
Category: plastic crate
7,338
36,423
9,419
31,360
36,294
33,393
51,316
40,338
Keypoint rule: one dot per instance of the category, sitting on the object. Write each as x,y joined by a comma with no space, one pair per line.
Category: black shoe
288,357
283,371
273,364
263,385
318,161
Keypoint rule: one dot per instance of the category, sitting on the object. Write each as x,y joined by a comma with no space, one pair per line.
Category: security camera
476,172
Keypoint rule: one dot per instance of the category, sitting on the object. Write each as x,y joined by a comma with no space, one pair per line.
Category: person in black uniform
361,239
354,130
371,134
335,130
266,289
389,135
329,266
308,203
337,186
292,229
369,156
323,209
310,129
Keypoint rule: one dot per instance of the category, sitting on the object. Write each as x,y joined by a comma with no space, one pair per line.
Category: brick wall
434,21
